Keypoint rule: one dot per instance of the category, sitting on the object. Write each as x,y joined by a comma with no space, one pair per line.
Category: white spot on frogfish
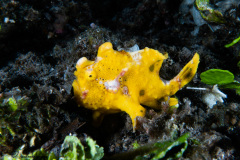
112,85
136,56
81,61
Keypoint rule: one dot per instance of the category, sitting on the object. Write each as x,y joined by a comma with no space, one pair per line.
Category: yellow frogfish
122,81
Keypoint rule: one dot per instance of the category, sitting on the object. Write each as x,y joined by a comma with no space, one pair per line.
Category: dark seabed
41,42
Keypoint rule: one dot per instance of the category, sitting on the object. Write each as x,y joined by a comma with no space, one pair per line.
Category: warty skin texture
121,81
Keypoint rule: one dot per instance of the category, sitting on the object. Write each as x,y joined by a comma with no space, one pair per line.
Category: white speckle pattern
112,85
136,56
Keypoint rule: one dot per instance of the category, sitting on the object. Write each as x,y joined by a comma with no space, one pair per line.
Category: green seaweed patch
217,76
162,148
135,145
172,149
223,78
10,109
232,43
233,85
12,104
208,13
92,150
42,154
71,148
